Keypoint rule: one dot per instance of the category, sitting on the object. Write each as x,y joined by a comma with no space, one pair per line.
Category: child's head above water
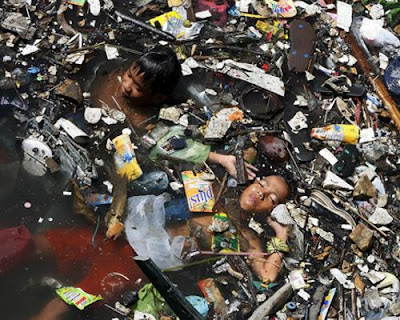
152,78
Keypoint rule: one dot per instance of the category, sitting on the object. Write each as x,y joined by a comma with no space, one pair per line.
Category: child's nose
126,86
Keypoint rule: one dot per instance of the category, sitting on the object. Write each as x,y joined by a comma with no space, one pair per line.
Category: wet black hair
266,170
161,69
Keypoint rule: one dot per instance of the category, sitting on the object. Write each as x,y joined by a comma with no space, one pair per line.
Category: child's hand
281,231
229,163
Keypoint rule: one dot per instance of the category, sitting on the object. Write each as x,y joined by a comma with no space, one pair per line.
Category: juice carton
199,193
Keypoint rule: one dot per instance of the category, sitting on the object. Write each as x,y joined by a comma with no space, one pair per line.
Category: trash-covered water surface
199,159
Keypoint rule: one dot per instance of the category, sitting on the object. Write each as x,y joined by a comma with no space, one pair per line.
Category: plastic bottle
125,158
337,132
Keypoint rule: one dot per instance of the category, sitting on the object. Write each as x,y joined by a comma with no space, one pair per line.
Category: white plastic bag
375,35
144,227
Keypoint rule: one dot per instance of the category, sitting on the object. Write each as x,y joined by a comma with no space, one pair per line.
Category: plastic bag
194,151
144,227
375,35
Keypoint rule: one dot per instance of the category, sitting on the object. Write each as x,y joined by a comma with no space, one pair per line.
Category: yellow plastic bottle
348,133
125,158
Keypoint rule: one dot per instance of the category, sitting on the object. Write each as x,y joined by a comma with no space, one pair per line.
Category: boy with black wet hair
152,78
142,88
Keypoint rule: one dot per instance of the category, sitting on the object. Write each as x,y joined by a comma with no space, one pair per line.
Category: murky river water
27,200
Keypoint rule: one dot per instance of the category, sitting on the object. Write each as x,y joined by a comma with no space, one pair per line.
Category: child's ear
159,98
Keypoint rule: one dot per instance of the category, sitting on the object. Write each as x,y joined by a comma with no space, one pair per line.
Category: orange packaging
199,193
213,295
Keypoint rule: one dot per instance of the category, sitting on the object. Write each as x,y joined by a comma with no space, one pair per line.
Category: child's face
264,195
134,87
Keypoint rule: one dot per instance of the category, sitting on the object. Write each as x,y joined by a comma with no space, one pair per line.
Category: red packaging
217,9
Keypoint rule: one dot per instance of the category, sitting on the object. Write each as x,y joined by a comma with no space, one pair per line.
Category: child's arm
229,163
267,269
197,153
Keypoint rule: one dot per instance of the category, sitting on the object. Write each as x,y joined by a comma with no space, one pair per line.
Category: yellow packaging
275,28
77,297
125,158
162,19
199,193
338,132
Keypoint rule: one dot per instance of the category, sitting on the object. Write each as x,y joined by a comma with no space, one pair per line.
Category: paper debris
298,122
221,122
344,15
335,182
328,156
309,76
203,14
111,52
94,7
171,114
29,49
250,73
303,294
342,278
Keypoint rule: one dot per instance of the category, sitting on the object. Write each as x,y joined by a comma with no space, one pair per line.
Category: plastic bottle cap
291,305
232,183
127,131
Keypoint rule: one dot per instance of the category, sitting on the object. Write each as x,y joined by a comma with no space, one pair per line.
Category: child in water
142,88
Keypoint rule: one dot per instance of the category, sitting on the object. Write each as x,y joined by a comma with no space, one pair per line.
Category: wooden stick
274,303
375,80
236,253
221,187
354,304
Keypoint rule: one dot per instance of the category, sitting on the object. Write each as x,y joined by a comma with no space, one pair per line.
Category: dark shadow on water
21,293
